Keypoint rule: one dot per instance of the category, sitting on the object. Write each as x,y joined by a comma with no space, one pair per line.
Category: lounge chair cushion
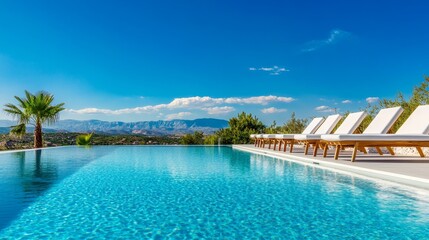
351,123
384,120
303,137
285,136
268,136
313,126
417,122
375,137
328,124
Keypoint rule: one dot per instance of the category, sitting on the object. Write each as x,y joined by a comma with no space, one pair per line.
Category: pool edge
411,181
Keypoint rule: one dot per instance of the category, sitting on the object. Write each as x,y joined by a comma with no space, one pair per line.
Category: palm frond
18,130
33,109
17,113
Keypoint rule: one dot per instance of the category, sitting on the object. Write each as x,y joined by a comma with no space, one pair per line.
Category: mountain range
151,128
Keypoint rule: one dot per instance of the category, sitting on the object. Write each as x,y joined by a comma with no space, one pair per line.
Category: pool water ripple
217,192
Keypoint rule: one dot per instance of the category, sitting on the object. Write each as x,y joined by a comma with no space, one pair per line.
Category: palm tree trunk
38,141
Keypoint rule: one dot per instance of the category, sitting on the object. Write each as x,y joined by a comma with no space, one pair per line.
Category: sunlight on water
202,192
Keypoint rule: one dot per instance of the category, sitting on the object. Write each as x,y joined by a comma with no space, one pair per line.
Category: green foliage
420,96
225,136
239,129
273,128
35,109
294,125
211,140
18,130
197,138
84,139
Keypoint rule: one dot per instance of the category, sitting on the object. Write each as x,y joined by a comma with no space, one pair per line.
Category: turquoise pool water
195,192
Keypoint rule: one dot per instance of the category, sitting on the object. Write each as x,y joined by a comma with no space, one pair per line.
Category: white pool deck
411,171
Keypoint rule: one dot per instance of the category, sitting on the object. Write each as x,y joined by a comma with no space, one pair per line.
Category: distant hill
151,128
5,130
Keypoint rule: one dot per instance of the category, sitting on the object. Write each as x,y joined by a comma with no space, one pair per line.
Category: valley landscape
64,132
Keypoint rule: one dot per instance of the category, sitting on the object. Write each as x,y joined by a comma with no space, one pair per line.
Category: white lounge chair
381,124
348,126
253,136
289,138
259,138
413,133
312,139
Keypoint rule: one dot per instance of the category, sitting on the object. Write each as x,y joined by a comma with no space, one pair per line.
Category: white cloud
219,110
179,115
275,70
194,102
187,103
145,109
346,101
141,97
273,110
91,111
262,100
335,36
325,109
372,99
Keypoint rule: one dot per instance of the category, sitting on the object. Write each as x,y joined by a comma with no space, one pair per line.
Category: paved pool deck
411,171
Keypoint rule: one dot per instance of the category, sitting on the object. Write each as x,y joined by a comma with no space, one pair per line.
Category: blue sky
150,60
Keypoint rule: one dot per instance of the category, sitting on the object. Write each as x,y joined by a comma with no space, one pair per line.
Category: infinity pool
195,192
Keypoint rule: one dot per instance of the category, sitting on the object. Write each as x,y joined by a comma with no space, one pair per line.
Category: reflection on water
196,192
38,176
388,197
26,175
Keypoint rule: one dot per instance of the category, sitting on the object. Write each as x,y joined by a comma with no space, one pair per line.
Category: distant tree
240,128
224,136
35,110
273,128
211,140
420,96
294,125
197,138
84,139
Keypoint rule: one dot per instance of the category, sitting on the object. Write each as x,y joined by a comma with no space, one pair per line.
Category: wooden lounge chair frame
417,124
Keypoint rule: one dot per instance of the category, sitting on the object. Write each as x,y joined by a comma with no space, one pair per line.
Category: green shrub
83,139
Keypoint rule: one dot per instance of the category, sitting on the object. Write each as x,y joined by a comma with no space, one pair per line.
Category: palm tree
35,110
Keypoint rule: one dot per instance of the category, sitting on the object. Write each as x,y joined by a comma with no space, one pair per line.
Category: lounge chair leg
292,142
325,150
337,152
280,144
379,150
315,147
390,151
419,149
354,152
275,143
269,144
363,150
306,148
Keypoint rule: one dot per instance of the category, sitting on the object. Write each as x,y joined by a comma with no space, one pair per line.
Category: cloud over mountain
208,104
